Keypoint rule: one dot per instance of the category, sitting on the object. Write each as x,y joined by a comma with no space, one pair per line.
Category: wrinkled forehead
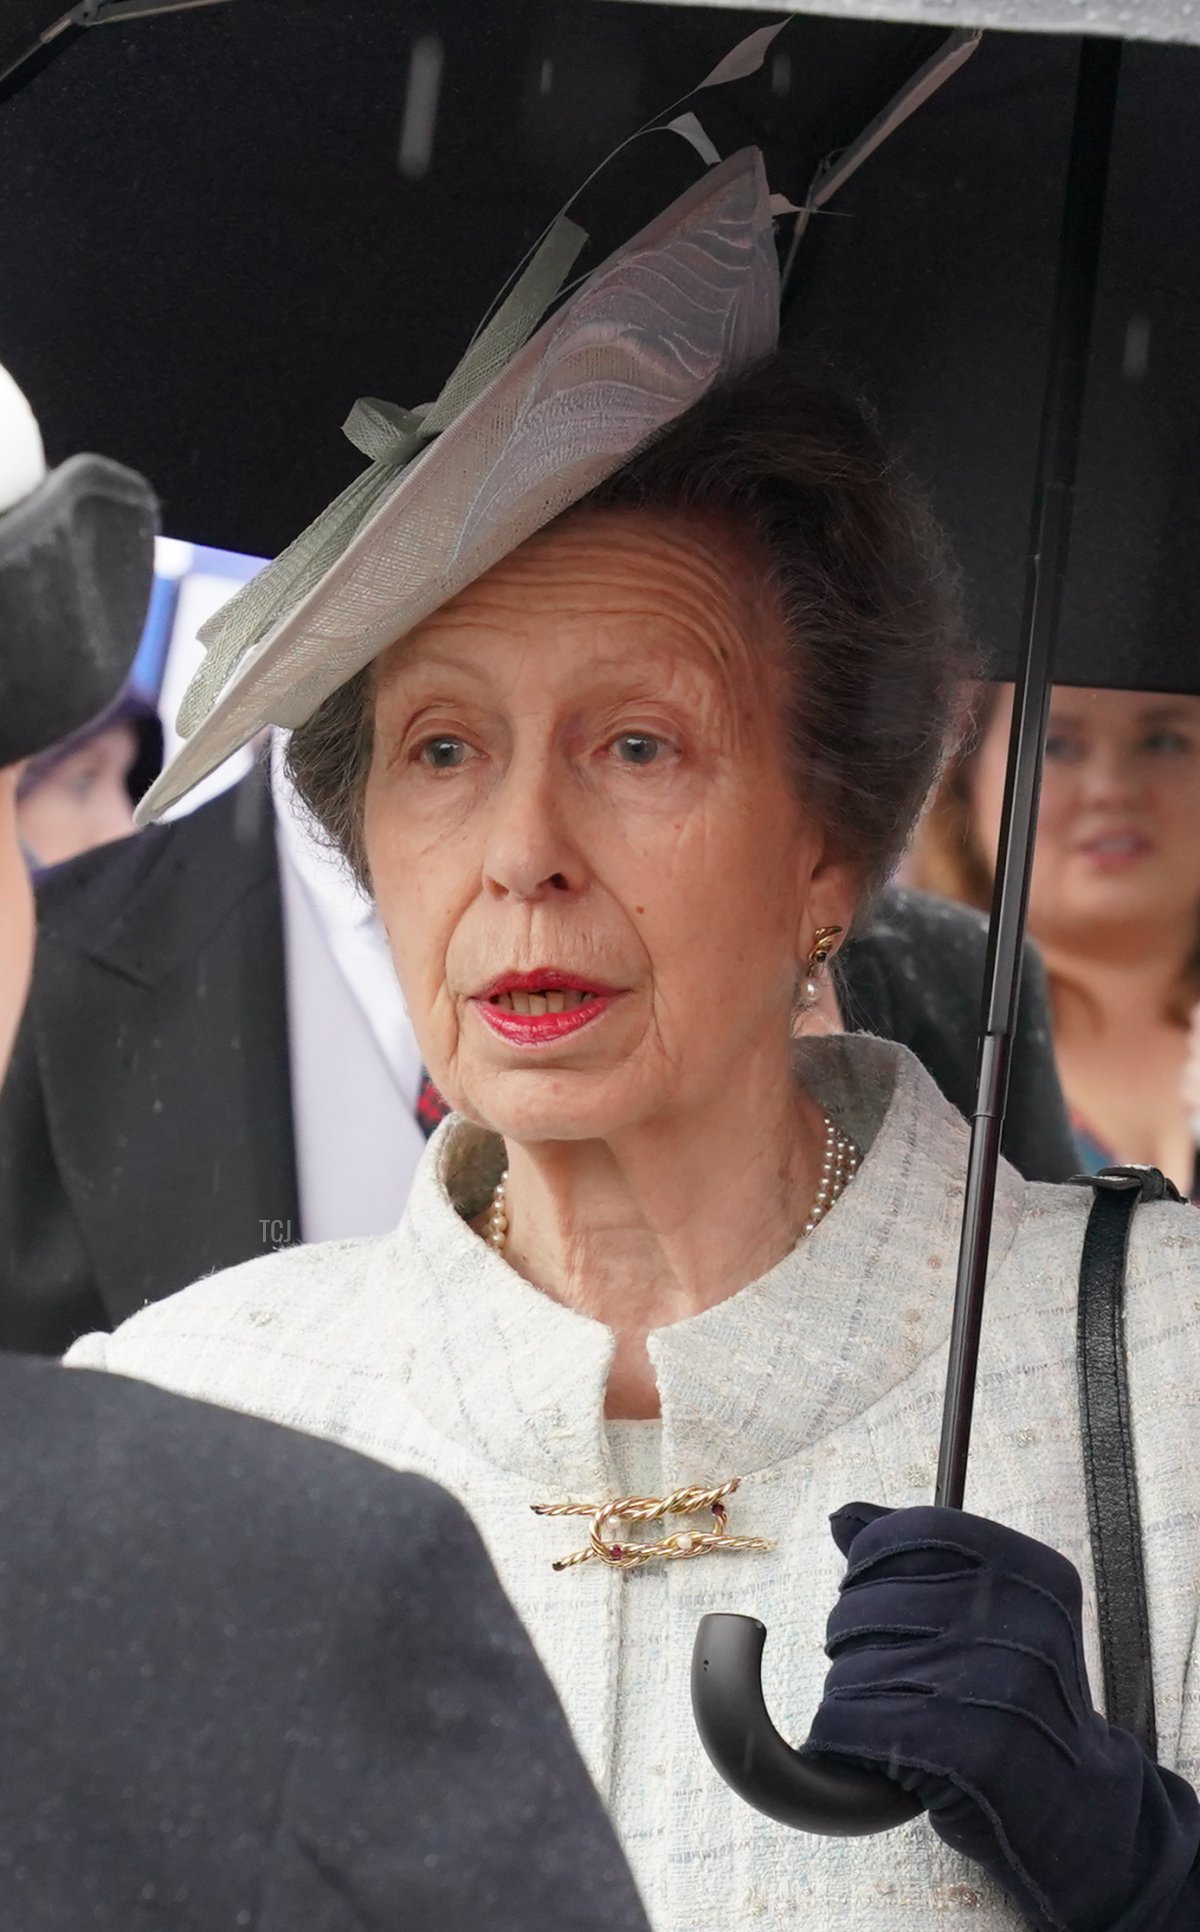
608,587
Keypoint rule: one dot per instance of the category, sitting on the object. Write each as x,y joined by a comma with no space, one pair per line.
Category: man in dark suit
146,1130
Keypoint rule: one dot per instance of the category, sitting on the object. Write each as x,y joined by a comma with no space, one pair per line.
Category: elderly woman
619,771
615,800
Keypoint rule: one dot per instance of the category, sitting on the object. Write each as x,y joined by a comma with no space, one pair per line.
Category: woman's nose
531,853
1111,775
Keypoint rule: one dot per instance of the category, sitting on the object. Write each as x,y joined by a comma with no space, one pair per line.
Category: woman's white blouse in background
819,1384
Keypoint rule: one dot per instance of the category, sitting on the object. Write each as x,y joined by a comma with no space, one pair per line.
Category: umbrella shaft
1062,414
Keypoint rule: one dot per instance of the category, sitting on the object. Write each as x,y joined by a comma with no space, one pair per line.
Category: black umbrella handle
825,1794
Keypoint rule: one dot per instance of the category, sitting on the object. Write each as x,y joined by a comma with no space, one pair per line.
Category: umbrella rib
836,169
919,88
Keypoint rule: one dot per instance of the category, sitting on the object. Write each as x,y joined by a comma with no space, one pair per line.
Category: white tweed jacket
818,1384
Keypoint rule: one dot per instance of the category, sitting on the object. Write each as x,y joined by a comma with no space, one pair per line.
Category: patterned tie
431,1108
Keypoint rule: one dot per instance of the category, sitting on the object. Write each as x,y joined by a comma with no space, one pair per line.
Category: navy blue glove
957,1666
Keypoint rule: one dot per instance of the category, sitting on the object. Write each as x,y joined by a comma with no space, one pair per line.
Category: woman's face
83,800
1118,840
579,783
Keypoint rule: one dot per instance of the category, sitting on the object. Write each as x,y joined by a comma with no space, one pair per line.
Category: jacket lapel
162,1039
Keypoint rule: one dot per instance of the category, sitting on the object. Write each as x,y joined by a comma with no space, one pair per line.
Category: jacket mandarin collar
514,1377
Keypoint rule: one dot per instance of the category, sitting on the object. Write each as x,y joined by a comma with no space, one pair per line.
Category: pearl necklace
839,1165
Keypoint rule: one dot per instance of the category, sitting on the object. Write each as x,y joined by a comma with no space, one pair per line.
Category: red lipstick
543,1006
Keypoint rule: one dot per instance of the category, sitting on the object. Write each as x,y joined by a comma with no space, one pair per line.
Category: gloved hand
957,1665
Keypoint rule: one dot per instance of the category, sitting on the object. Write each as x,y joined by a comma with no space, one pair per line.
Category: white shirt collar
355,1062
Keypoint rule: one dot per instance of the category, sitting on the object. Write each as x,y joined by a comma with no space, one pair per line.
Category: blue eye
443,754
637,748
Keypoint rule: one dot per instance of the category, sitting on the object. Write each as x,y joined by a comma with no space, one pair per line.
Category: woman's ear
834,890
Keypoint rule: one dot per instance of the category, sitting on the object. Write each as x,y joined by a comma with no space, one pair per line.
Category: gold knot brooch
652,1509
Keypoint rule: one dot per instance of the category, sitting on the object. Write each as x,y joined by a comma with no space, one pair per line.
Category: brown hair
876,648
947,859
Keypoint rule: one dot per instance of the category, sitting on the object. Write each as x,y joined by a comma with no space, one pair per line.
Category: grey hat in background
76,568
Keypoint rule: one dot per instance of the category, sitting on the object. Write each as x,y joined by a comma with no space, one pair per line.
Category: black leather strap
1111,1478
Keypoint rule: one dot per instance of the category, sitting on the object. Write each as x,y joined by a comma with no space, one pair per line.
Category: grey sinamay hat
519,437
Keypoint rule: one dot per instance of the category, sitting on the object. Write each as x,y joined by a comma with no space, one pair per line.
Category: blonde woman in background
1114,902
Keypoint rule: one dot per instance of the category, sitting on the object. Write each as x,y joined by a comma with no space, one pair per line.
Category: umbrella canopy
221,227
931,286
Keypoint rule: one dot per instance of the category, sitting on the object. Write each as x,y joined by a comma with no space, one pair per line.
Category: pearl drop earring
822,946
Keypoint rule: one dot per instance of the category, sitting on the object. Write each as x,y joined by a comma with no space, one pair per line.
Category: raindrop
1136,360
546,77
421,106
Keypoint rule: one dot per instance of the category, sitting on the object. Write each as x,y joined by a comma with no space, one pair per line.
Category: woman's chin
526,1107
1102,901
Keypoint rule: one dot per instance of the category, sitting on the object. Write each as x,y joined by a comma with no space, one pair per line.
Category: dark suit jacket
248,1679
145,1127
